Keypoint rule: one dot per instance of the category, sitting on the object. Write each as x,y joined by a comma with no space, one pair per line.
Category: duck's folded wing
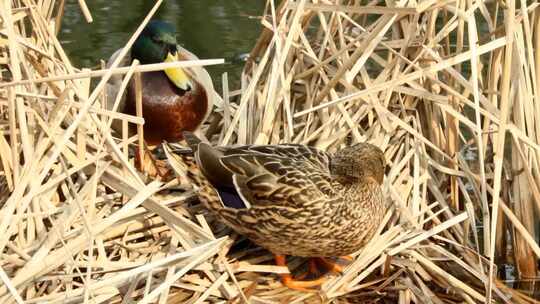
298,153
203,77
117,78
273,176
113,87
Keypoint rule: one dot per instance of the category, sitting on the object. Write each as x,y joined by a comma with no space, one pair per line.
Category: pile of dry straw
430,82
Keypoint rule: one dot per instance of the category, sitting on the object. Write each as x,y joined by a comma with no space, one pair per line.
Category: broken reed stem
499,147
116,71
86,12
139,113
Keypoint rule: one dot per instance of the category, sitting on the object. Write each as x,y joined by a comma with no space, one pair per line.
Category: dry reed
448,89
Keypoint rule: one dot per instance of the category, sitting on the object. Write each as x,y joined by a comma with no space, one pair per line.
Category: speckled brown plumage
297,200
167,109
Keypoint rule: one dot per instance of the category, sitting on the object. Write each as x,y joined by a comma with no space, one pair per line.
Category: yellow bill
177,75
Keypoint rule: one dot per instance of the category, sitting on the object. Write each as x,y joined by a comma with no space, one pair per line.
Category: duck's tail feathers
183,164
187,167
189,174
192,140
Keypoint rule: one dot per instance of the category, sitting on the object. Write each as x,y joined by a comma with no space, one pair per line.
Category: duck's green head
156,44
156,41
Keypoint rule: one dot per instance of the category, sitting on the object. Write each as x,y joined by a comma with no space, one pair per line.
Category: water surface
208,28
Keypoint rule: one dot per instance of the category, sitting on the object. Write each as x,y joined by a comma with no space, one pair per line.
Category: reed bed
448,89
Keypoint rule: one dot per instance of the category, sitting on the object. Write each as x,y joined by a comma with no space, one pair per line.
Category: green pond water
208,28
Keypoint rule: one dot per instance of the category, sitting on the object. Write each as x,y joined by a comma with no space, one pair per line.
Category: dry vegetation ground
430,82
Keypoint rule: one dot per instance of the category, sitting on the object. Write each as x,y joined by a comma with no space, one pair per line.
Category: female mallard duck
292,199
174,100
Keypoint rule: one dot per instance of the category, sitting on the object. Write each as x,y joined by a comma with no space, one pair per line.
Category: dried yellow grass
427,81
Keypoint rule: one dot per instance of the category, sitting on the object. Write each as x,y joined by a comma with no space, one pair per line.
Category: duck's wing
117,79
203,77
297,152
113,87
253,176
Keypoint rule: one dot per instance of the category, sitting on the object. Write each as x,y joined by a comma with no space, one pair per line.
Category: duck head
359,162
157,43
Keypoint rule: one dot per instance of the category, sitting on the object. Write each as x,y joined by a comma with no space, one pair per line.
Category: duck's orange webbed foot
336,266
312,271
288,280
291,283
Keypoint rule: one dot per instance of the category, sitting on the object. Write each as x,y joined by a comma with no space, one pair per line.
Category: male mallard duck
173,100
293,199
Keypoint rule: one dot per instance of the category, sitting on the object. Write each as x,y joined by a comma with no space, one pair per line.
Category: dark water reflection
209,28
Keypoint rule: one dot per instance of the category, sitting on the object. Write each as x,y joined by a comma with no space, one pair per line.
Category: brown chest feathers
167,110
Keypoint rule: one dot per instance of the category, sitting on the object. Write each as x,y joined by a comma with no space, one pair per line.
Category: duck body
174,100
167,109
294,199
312,223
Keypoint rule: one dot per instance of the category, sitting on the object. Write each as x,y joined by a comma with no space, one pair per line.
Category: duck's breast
167,110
